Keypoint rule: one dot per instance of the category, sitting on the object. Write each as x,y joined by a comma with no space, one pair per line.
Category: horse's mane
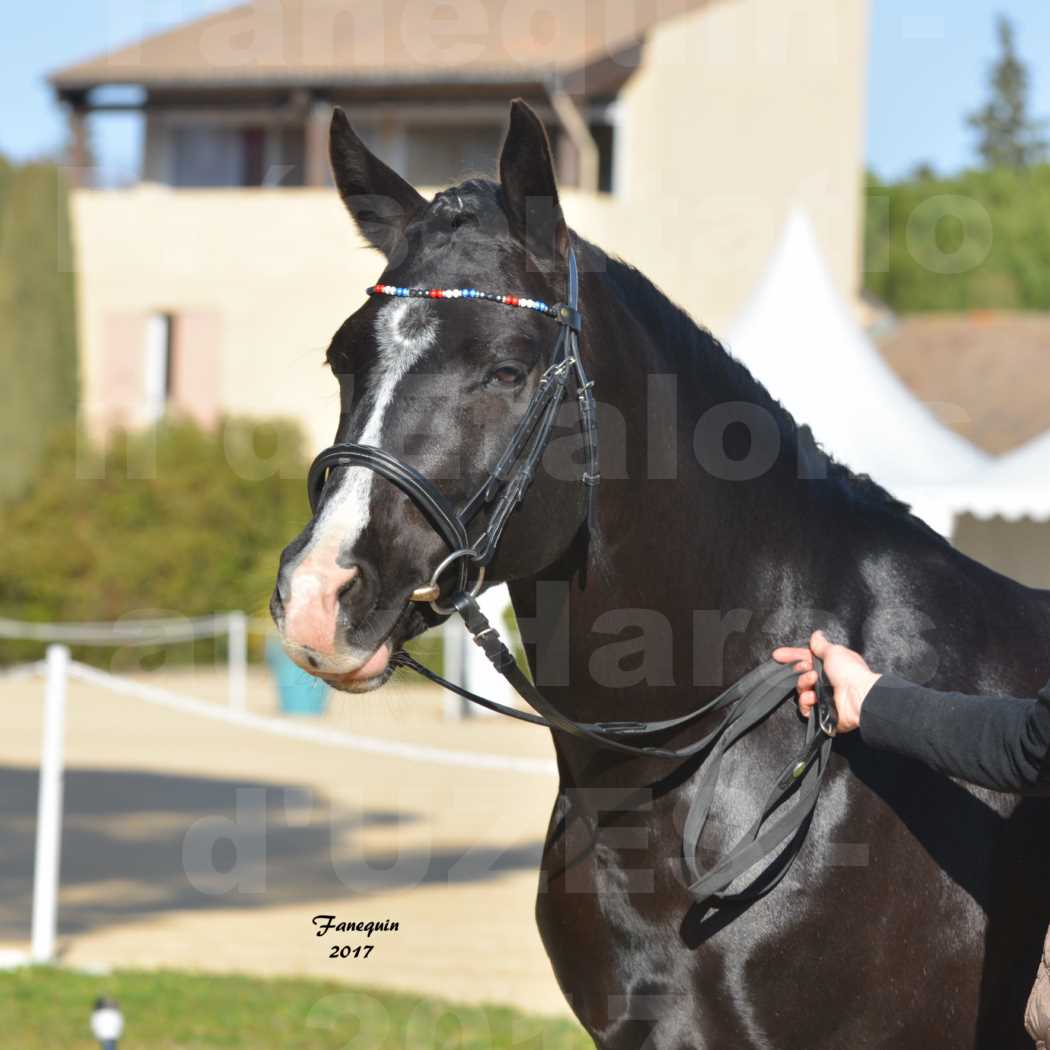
691,351
702,362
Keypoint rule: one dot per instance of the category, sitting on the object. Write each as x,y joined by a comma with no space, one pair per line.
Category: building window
253,156
287,158
157,370
206,156
439,155
604,136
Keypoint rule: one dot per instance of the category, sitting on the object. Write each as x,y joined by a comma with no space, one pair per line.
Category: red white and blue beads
463,293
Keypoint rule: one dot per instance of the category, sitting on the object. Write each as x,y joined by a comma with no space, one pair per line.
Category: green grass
48,1009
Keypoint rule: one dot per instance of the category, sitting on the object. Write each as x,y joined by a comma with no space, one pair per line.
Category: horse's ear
380,201
530,192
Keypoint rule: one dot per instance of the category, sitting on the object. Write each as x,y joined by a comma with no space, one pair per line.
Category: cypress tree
38,350
1007,136
5,179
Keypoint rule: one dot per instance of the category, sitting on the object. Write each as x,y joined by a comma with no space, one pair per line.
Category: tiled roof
986,375
393,41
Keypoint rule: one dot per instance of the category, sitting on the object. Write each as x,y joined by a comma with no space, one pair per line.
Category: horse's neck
682,558
672,541
667,501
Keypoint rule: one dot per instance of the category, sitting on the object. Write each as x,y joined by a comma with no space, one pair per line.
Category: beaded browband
465,293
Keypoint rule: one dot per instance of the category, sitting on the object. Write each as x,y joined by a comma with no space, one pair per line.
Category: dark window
604,136
158,369
253,152
292,170
209,155
441,154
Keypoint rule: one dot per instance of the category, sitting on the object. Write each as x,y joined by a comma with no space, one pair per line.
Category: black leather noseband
435,508
745,704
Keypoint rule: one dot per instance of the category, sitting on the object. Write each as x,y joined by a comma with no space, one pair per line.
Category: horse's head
438,384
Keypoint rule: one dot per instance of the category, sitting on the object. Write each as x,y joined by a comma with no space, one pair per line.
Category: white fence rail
465,664
159,631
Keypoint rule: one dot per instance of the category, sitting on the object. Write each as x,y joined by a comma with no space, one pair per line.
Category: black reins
746,703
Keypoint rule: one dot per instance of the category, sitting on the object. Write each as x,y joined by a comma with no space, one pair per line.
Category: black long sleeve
996,742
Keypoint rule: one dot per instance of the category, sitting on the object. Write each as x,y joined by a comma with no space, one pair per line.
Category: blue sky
928,68
929,62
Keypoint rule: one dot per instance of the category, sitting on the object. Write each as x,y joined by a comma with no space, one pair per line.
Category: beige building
685,132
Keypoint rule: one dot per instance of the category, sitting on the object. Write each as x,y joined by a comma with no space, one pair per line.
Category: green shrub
979,240
172,521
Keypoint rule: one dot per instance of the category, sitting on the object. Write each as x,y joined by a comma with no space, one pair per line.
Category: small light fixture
107,1023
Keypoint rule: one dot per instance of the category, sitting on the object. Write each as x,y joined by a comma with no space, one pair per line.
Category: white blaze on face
405,330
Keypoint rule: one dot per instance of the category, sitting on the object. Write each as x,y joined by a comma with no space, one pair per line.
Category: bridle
746,703
508,481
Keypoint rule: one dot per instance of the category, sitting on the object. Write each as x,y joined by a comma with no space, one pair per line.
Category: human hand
850,677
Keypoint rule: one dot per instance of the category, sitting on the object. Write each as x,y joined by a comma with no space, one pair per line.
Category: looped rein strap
748,702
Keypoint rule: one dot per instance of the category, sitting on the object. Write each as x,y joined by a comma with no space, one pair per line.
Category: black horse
915,914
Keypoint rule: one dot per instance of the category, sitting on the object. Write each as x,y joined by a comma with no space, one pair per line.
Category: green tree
977,240
1007,135
5,181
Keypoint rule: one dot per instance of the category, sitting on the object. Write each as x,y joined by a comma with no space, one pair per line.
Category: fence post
453,642
478,674
49,808
237,655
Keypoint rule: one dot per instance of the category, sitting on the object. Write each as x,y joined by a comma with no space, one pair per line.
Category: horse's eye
507,375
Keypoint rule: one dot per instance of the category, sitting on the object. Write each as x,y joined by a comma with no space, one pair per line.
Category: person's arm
997,742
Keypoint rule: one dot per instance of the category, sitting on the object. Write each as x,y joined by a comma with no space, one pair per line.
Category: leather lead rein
748,702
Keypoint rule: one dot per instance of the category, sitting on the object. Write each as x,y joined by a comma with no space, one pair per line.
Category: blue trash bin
299,693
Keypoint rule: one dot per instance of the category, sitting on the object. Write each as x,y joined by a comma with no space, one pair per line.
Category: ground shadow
136,843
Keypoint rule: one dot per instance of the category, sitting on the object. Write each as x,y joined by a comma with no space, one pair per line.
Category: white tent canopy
797,336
